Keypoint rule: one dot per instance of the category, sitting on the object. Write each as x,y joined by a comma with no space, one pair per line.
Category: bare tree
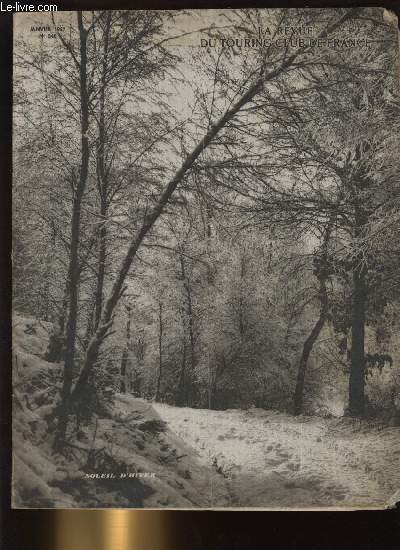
322,271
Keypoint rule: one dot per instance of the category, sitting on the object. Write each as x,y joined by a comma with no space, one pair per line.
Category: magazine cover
206,245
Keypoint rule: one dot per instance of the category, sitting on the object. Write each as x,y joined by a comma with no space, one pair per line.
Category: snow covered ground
200,458
131,440
274,460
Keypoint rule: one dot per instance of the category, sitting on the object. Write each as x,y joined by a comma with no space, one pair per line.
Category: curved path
270,459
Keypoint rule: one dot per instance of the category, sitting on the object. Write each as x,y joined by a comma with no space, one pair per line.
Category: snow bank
130,459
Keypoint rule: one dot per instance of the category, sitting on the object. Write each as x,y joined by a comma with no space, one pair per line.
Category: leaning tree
242,90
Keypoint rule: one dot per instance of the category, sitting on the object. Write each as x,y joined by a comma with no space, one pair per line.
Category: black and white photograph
206,259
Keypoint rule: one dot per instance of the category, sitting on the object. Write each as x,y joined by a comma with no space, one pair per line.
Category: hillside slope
128,458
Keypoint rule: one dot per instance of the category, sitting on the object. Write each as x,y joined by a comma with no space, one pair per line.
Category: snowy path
275,460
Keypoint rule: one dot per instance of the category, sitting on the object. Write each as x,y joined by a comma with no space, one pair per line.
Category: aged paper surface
206,258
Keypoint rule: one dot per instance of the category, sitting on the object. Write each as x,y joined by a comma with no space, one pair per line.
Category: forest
206,227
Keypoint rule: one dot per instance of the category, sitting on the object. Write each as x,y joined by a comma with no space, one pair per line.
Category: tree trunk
181,391
211,383
124,360
307,349
56,349
160,365
189,310
212,390
89,325
102,180
357,354
241,299
359,304
322,274
101,268
74,268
